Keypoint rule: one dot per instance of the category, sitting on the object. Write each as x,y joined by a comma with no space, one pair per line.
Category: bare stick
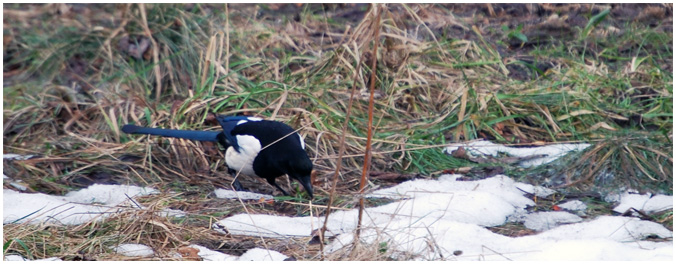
367,151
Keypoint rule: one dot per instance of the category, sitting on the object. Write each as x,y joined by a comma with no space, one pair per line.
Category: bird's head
300,169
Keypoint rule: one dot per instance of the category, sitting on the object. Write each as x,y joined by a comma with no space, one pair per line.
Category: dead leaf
603,125
136,48
461,170
175,106
189,253
460,153
575,113
315,237
500,129
211,148
391,176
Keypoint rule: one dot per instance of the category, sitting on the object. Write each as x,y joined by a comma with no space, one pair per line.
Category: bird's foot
280,188
238,186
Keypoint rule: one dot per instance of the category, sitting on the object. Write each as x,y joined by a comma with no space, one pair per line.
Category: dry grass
73,76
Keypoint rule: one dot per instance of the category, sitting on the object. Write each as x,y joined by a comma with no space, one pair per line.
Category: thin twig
367,151
341,152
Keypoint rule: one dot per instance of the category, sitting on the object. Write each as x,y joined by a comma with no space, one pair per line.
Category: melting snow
445,219
487,148
212,255
541,221
254,254
134,250
11,156
230,194
74,208
21,258
574,205
475,202
644,202
259,254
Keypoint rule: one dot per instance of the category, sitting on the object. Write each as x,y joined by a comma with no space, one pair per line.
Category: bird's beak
305,181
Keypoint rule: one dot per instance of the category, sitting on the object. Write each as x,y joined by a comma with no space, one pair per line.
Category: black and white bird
253,146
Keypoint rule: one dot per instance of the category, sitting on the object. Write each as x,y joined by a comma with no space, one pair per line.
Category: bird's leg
272,182
236,184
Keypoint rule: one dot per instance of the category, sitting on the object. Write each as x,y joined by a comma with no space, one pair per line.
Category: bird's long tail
185,134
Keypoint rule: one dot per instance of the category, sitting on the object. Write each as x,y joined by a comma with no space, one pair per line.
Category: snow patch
538,191
14,257
487,202
11,156
212,255
446,219
644,202
574,205
616,228
230,194
259,254
134,250
541,221
597,249
487,148
254,254
429,239
72,209
107,194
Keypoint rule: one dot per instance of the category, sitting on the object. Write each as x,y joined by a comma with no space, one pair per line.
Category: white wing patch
249,119
302,142
242,161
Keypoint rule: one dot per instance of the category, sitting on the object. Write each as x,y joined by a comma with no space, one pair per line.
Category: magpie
253,146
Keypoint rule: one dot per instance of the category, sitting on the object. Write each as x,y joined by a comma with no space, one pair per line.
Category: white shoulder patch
243,160
302,142
249,119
